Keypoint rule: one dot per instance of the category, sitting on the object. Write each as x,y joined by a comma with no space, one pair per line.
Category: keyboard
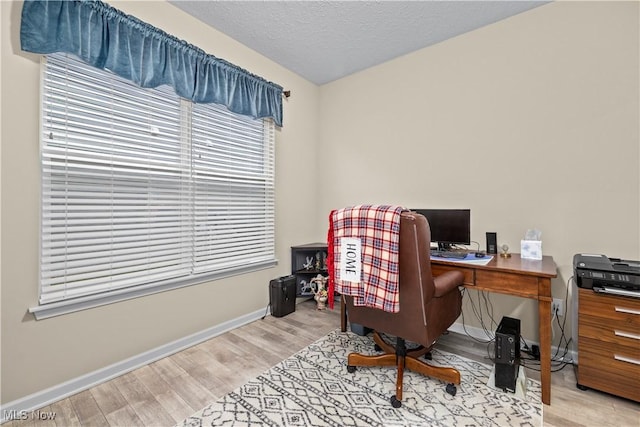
449,254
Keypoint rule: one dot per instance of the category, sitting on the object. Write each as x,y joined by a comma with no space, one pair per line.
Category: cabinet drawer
613,348
513,284
609,371
619,310
614,331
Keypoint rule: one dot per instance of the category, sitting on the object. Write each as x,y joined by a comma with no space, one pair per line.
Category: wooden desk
518,277
511,276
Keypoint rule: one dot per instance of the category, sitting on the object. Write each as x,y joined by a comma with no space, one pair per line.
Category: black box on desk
282,295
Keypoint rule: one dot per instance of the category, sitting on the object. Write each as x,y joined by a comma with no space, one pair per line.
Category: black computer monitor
448,226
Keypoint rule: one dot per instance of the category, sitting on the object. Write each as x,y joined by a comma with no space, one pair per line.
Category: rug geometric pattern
313,388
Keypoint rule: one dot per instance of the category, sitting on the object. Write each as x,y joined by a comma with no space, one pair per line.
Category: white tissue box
531,249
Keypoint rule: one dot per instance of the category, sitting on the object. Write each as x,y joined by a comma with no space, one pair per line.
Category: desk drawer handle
627,335
627,359
627,310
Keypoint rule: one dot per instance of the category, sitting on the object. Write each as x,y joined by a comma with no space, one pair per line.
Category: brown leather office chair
428,307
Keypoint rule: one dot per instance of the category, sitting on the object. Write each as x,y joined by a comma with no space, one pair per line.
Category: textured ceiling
325,40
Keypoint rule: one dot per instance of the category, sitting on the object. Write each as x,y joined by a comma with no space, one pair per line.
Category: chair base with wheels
404,358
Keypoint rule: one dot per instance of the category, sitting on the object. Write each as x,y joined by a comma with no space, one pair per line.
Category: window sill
59,308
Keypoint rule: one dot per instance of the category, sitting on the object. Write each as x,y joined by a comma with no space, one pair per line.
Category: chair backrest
416,286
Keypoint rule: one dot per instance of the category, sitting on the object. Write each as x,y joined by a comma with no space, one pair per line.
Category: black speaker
492,243
282,295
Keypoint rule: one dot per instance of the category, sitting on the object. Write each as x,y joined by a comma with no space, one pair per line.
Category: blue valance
109,39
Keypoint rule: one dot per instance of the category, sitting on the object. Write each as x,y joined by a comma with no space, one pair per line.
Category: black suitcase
282,295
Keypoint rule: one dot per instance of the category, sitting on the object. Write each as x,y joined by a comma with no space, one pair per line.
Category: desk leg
544,318
343,314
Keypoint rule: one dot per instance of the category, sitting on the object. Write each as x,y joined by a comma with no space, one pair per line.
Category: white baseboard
61,391
471,331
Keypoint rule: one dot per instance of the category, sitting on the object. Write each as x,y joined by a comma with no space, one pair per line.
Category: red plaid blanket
362,258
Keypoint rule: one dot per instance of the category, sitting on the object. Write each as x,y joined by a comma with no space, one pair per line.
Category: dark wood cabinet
307,261
609,343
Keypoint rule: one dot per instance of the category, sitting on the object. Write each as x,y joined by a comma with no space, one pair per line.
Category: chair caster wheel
451,389
582,387
395,402
351,369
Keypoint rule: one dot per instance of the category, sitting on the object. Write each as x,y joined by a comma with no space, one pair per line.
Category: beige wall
534,118
530,122
40,354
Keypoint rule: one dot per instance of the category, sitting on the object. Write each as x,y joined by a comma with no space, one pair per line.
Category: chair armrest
447,282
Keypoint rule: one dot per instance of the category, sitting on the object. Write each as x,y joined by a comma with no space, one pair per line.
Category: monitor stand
444,247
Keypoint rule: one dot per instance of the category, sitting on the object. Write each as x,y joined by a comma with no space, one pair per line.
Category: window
144,191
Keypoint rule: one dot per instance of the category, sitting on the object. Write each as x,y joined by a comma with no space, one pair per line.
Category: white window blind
144,190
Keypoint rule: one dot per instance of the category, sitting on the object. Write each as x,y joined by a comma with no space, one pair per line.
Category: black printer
607,275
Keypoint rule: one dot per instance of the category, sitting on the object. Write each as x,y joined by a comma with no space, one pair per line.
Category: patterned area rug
313,388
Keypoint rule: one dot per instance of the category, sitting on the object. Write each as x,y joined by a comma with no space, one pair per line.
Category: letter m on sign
350,259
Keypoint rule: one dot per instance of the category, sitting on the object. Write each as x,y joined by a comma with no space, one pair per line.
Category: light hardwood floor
165,392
